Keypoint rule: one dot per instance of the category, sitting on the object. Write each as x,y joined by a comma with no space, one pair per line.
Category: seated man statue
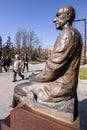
58,81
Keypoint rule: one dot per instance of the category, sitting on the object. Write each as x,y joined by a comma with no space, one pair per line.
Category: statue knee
19,93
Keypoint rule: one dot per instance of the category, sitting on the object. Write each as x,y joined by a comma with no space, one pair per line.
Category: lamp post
84,37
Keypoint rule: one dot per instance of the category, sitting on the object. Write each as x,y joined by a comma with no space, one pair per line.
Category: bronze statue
57,83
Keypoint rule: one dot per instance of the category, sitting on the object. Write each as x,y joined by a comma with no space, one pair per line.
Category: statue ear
68,15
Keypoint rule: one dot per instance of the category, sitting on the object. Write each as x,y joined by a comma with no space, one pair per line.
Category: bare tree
32,41
18,40
24,41
27,41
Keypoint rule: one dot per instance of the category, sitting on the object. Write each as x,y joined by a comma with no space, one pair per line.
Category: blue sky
37,15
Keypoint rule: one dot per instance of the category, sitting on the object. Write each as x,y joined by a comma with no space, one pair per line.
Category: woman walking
17,68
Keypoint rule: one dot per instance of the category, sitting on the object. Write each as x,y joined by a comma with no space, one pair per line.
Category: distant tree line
25,42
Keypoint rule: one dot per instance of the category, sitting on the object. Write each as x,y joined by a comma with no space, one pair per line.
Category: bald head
69,10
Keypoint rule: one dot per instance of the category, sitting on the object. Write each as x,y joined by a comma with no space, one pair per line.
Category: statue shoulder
65,35
70,32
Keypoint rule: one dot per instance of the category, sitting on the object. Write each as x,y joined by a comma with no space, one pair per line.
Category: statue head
64,16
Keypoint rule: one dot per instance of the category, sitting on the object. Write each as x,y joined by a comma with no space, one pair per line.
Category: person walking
0,66
8,62
25,60
17,67
3,63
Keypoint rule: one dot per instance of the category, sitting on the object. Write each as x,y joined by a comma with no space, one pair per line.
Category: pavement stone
7,87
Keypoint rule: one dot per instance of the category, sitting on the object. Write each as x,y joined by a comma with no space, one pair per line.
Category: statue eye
57,15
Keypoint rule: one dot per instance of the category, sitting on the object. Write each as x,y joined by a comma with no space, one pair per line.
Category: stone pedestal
25,118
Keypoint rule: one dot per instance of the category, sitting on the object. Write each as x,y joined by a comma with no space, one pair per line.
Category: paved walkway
7,86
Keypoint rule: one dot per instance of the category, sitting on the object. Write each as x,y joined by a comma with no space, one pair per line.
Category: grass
83,73
34,62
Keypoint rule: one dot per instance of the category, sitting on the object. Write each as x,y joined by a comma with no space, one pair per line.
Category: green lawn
34,62
83,73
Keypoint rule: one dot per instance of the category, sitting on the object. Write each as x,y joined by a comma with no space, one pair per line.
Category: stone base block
24,118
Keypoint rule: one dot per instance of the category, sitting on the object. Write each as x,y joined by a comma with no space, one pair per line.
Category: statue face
60,19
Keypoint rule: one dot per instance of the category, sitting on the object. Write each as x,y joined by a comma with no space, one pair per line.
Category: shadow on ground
83,114
0,124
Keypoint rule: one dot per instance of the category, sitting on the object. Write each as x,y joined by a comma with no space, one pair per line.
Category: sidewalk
7,87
